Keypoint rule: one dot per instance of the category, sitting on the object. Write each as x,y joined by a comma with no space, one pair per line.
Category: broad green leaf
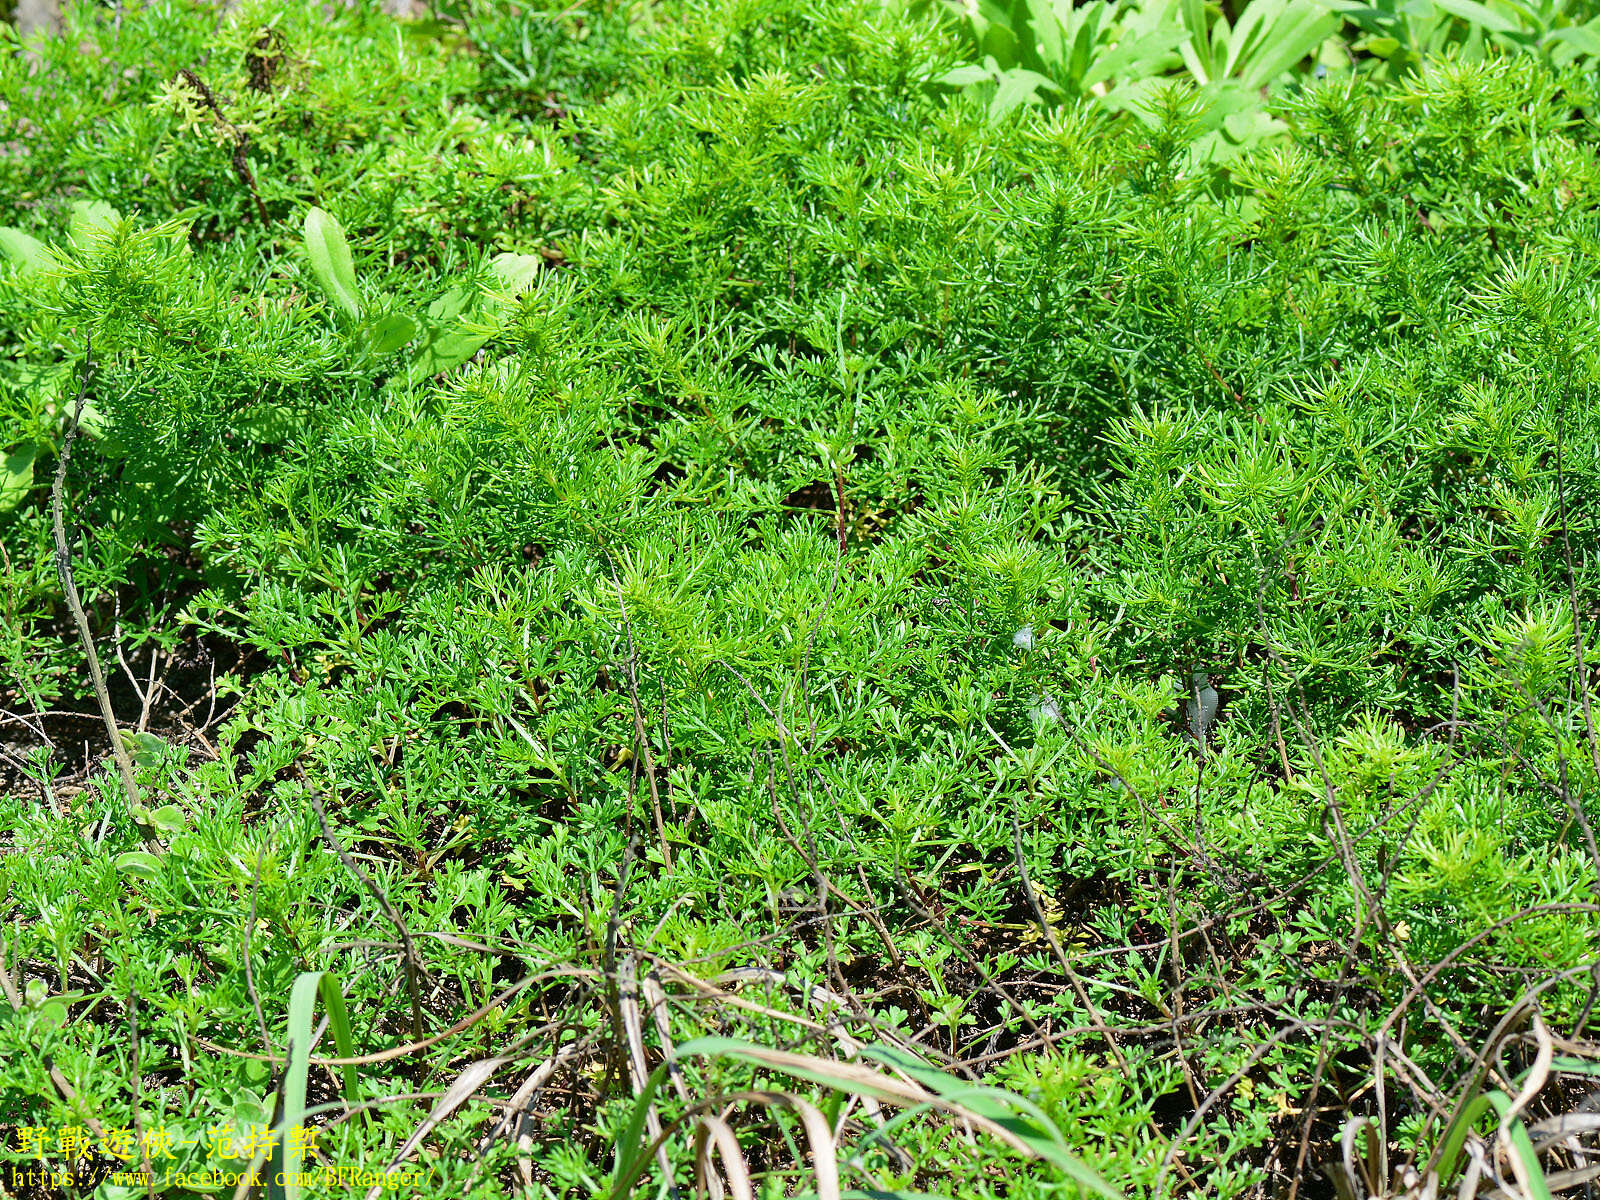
53,1013
447,348
1017,86
517,271
330,261
1251,126
28,252
250,1109
1051,32
169,819
1025,34
449,305
1000,43
144,748
1258,15
1197,49
1530,15
1581,39
88,220
1135,56
1302,29
91,421
964,76
139,863
1480,15
388,333
1382,47
16,476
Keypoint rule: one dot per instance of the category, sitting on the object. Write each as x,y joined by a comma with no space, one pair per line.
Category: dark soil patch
184,710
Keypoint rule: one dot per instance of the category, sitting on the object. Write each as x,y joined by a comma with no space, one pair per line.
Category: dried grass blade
734,1165
457,1094
638,1068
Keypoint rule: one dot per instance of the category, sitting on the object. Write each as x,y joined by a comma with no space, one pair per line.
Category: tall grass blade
288,1155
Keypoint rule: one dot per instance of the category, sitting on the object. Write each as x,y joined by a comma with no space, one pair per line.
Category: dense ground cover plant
614,527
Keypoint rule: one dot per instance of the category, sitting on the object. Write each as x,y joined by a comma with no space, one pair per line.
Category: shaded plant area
688,610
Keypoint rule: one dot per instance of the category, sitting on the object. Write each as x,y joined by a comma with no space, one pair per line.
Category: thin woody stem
74,603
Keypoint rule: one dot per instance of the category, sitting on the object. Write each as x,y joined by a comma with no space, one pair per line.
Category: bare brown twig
240,139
